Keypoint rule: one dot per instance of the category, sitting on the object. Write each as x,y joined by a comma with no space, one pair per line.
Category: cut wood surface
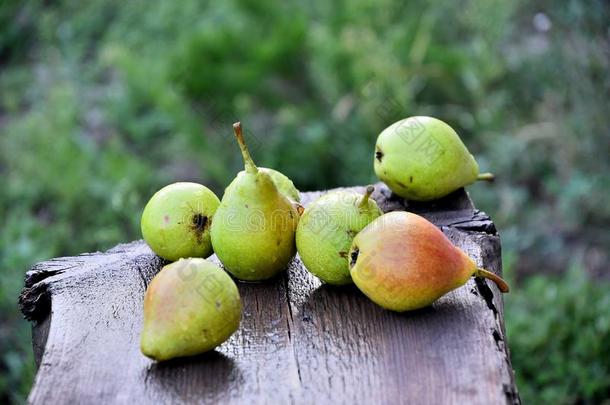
299,341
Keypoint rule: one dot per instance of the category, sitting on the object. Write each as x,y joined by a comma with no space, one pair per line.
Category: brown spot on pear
190,307
402,262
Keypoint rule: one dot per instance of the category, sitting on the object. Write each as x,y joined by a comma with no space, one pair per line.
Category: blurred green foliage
103,102
558,330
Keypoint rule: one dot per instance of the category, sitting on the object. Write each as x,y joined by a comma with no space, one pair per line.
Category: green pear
254,227
191,306
401,261
423,159
283,184
326,231
176,221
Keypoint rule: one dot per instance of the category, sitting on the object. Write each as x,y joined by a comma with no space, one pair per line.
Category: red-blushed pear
401,261
191,306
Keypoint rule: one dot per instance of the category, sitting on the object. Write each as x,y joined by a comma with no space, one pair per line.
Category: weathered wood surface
299,341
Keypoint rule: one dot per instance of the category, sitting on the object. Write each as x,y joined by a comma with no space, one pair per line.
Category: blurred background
104,102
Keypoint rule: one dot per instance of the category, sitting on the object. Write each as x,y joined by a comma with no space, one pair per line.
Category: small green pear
401,261
423,159
326,231
254,227
283,184
176,221
190,307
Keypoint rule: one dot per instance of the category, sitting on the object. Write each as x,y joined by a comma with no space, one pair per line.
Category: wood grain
299,341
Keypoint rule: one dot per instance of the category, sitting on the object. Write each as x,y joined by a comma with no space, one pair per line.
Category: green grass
103,102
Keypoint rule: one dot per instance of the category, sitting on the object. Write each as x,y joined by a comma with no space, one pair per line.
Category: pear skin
176,221
190,307
253,232
402,262
326,230
423,159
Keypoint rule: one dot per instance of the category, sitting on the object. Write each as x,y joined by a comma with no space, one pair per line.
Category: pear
286,187
176,221
423,159
254,226
191,306
326,231
403,262
283,184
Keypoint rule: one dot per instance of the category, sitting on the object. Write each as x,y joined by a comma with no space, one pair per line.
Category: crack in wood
486,293
290,326
144,282
35,301
39,273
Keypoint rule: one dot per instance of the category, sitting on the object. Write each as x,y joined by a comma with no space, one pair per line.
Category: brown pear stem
502,285
486,177
248,162
366,196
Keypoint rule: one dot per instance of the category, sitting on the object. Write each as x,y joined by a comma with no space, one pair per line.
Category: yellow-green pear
191,306
326,230
283,184
254,226
423,159
401,261
176,221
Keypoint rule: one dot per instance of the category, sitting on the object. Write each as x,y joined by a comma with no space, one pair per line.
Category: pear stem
248,162
502,285
486,177
366,196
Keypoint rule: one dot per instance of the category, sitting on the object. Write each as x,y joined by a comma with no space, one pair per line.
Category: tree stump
299,341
